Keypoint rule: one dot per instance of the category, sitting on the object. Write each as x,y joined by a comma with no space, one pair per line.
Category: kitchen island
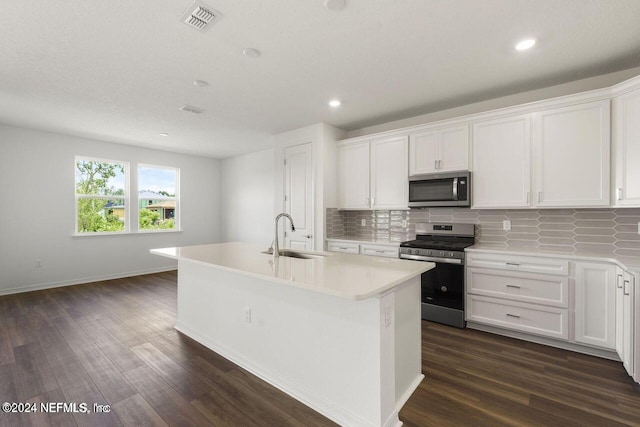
339,332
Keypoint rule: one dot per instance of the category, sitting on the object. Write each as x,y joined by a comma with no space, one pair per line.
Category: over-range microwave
440,189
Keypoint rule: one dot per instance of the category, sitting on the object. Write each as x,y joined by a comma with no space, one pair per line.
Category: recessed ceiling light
200,83
525,44
334,4
251,52
164,134
335,103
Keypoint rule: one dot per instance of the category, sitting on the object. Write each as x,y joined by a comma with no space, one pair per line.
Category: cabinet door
626,148
389,174
353,176
628,322
595,307
572,155
501,162
424,153
619,312
454,149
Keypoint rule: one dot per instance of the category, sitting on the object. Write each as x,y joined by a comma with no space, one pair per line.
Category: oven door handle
432,259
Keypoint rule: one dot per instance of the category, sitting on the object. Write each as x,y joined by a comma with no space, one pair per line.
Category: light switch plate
506,225
363,222
639,228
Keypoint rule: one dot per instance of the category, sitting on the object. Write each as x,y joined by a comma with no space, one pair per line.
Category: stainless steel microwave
440,189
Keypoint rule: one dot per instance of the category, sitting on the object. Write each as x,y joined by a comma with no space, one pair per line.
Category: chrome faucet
276,248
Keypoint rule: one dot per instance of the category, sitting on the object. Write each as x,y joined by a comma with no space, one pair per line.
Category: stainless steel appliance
440,189
442,286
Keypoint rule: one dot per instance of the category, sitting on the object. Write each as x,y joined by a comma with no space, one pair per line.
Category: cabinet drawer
350,248
518,263
380,250
519,316
528,287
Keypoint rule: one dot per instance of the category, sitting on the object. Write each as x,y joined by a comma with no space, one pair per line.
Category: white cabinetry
572,147
626,149
439,150
595,304
373,175
509,292
371,249
379,250
344,247
501,165
625,319
570,167
353,176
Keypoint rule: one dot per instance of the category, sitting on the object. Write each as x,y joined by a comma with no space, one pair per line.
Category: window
157,197
101,196
103,199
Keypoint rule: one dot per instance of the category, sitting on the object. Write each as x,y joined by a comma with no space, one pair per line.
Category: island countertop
349,276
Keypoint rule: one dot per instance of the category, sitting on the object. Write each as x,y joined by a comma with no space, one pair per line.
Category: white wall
577,86
247,189
37,212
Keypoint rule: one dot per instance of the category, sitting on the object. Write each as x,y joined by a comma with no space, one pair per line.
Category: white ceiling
118,70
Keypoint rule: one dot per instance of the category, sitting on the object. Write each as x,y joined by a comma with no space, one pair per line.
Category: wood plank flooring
113,343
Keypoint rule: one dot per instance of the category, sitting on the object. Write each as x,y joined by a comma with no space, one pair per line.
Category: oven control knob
451,254
427,253
442,253
443,288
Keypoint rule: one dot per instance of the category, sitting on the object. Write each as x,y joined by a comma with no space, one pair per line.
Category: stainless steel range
442,286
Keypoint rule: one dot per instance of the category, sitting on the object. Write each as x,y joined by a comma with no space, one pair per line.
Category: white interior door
298,193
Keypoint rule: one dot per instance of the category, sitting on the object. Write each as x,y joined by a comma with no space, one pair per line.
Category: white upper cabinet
626,149
439,150
501,174
572,147
373,175
389,175
353,176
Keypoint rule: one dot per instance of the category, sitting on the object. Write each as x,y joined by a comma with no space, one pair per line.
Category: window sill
125,233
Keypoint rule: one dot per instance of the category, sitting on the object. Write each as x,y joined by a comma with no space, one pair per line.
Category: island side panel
408,340
334,354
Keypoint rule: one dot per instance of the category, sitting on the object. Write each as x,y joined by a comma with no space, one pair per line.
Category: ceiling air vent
191,109
200,16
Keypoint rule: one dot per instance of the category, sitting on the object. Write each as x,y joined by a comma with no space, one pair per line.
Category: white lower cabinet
533,318
344,247
381,250
625,320
583,306
595,304
511,295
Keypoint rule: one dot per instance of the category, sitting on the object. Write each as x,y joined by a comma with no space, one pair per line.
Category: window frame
126,198
175,198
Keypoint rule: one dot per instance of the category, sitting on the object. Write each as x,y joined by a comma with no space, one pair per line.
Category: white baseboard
84,280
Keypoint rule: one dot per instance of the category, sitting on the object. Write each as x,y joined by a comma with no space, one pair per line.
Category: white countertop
345,275
628,263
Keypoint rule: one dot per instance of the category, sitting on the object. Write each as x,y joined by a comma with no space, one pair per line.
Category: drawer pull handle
515,316
513,286
618,281
624,290
513,264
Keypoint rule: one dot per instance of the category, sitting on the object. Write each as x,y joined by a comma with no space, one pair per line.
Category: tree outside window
100,196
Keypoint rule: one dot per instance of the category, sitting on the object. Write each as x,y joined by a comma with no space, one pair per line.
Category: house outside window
101,189
157,198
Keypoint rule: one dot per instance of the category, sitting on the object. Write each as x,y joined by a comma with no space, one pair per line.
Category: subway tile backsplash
560,230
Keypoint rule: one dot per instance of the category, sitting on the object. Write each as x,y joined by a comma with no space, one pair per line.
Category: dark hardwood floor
113,343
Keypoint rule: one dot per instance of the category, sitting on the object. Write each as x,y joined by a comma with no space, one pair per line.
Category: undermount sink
293,254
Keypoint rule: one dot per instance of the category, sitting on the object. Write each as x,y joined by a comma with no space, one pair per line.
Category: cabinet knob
308,236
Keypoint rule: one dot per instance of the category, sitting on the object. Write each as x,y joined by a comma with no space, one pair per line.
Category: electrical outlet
363,222
639,228
404,223
506,225
38,263
247,315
